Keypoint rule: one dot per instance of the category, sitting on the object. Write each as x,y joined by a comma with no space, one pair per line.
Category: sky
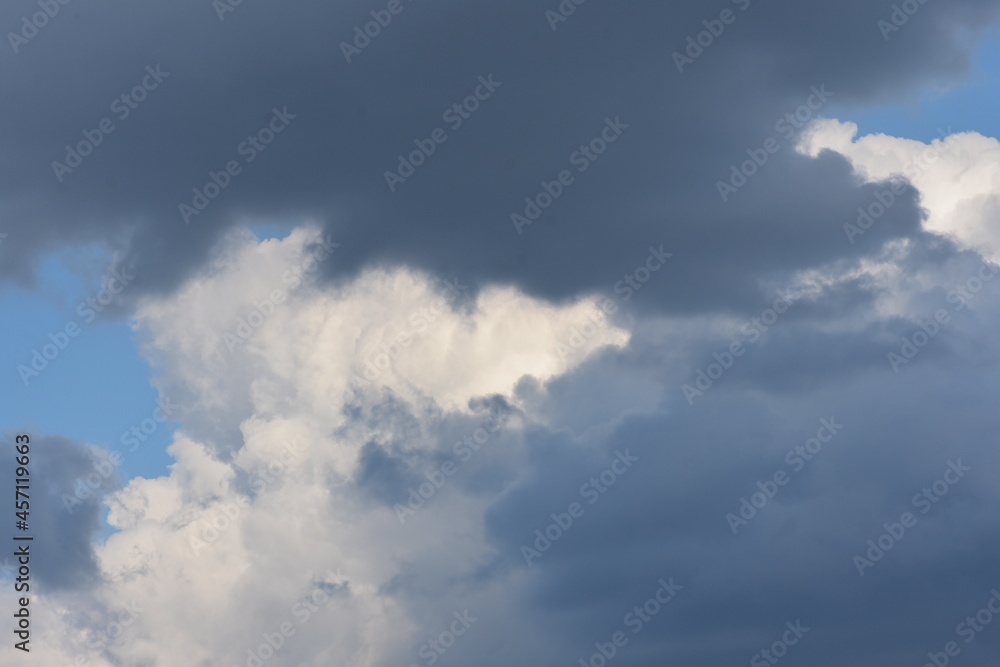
961,105
402,333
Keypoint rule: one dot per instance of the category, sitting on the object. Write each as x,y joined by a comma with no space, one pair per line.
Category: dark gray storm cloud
549,93
67,488
790,559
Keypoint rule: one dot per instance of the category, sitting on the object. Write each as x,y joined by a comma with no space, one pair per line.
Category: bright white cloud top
244,536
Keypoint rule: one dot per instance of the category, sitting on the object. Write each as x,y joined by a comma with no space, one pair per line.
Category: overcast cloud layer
734,390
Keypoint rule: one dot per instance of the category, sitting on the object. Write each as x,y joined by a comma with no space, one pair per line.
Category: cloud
384,405
353,121
289,500
68,481
957,176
